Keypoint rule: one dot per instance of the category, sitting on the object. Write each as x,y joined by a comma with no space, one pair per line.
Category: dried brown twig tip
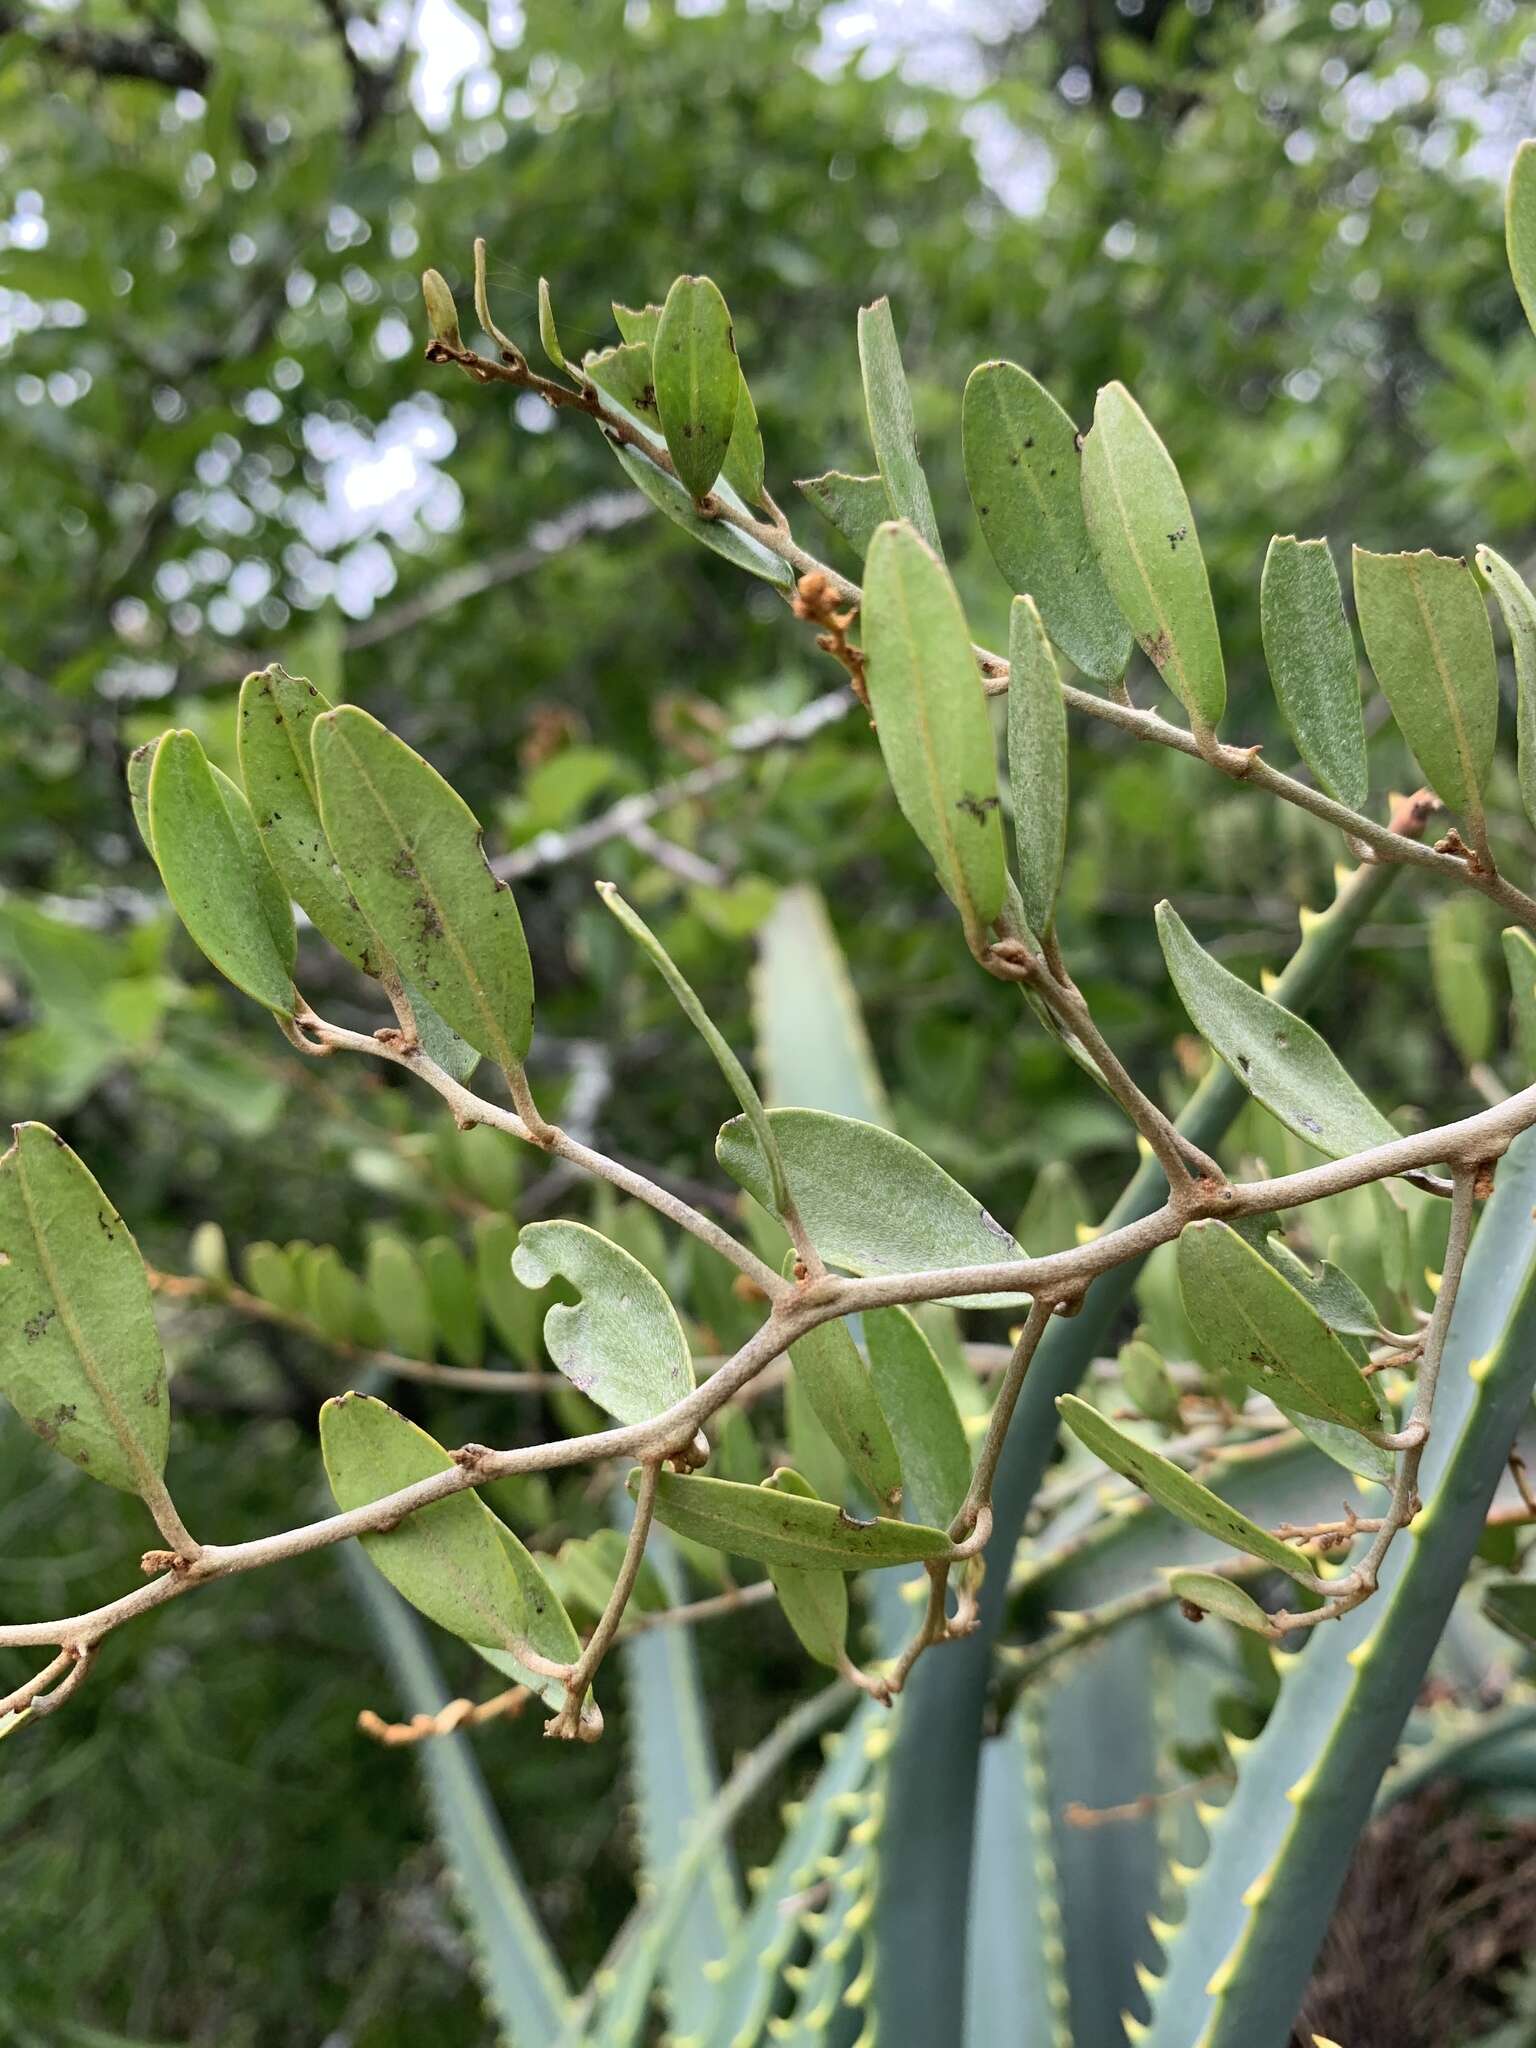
459,1713
1412,813
816,599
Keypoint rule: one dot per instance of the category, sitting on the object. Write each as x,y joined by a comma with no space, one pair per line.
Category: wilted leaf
855,505
1213,1594
216,875
1037,763
1311,656
1172,1488
784,1529
622,1344
888,405
698,380
80,1357
1143,533
922,1221
1426,630
1278,1058
932,721
815,1603
924,1422
1251,1322
838,1383
549,334
1519,608
409,847
1022,466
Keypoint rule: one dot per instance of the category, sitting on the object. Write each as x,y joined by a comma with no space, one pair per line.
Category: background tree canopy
1280,224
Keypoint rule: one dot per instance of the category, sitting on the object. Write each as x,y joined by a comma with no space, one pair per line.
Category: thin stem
569,1722
979,1496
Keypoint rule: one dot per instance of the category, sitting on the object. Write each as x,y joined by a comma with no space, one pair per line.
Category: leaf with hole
1279,1059
1311,655
888,406
922,1222
1172,1488
839,1387
924,1422
622,1343
1143,533
410,850
785,1529
698,380
932,721
1022,467
218,879
815,1603
80,1357
1037,763
855,505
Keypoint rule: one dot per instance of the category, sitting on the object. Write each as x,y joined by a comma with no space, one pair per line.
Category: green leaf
888,404
1213,1594
920,1410
1347,1449
923,1221
1343,1305
1015,1989
1459,972
815,1603
698,380
783,1529
1279,1059
140,763
624,375
514,1310
671,497
454,1295
838,1383
448,1559
1251,1322
931,716
1037,763
1311,656
622,1344
409,847
812,1043
333,1297
1510,1604
1426,630
1022,467
637,323
1520,959
855,505
549,334
548,1629
1520,226
216,875
1143,533
273,1277
439,1041
276,713
1149,1385
442,313
1172,1488
1519,608
398,1291
743,466
80,1357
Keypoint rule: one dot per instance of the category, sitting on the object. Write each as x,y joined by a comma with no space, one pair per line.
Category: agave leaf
929,1435
812,1045
1171,1487
698,380
1519,608
779,1529
1251,1322
80,1358
622,1344
1015,1990
1426,630
931,716
409,848
923,1222
855,505
216,875
1022,467
888,405
815,1603
841,1390
1037,763
1213,1594
1279,1059
1311,656
1143,533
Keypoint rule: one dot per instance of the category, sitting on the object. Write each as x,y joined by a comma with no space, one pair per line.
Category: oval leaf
924,1421
409,847
1037,763
1520,959
784,1529
513,1309
1520,226
455,1297
397,1290
837,1382
80,1357
547,1629
1022,467
698,380
1172,1488
622,1344
815,1603
922,1221
216,875
1278,1058
743,466
1143,533
888,404
1426,630
1251,1322
855,505
1213,1594
931,717
1311,656
1519,608
1147,1381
